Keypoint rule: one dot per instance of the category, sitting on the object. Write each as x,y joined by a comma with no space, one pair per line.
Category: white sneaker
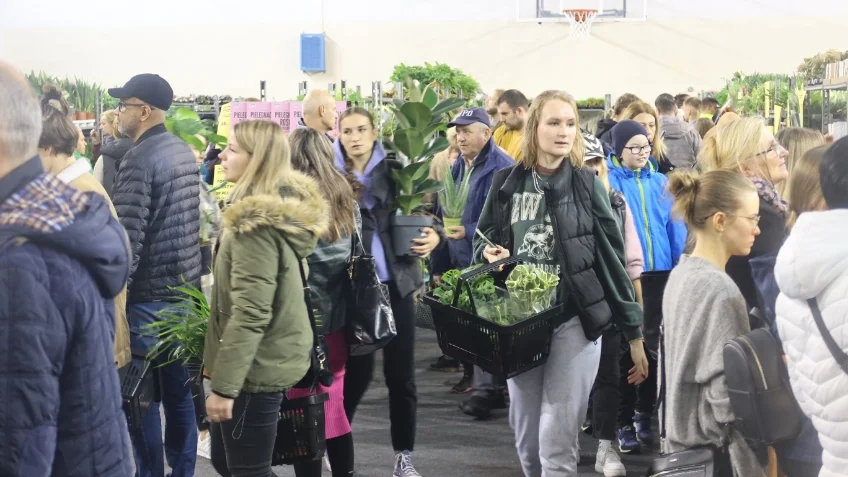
608,462
204,445
327,464
403,466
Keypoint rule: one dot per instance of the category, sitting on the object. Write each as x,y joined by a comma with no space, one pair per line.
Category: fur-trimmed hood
299,212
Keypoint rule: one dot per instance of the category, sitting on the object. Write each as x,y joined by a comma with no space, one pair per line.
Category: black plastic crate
504,351
300,430
139,389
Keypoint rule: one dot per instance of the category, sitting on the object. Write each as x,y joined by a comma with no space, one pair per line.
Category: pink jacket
632,247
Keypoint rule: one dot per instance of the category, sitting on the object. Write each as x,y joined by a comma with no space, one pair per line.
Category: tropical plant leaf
403,181
436,146
186,113
413,89
401,119
409,142
431,128
398,103
429,186
417,170
408,203
217,139
447,105
188,126
430,98
192,140
418,114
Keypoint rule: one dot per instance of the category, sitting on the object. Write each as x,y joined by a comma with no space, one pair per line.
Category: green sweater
534,239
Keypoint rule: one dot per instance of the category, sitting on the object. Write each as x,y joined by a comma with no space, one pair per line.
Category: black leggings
340,453
606,393
398,369
242,446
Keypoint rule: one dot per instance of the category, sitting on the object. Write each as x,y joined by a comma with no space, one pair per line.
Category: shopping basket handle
465,278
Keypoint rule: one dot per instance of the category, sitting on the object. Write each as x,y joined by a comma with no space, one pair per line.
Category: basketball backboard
542,11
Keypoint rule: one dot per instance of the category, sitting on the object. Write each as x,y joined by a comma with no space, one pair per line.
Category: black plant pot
404,229
206,259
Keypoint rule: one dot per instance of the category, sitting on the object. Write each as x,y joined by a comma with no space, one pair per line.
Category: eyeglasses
122,106
636,150
775,147
755,219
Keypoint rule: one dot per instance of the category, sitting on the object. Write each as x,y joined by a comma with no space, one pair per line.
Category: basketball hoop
580,21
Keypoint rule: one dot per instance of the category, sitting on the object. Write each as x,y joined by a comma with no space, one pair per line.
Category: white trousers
548,403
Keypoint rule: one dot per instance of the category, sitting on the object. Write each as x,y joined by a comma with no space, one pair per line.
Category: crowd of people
653,222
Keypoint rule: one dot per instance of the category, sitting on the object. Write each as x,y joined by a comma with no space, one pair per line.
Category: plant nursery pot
452,222
79,116
404,229
205,259
89,116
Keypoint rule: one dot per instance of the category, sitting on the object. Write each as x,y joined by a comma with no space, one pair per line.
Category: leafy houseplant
453,197
415,142
439,75
181,329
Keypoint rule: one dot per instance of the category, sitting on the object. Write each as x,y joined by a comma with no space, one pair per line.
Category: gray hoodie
682,142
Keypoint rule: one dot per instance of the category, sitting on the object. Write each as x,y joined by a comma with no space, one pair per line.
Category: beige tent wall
684,43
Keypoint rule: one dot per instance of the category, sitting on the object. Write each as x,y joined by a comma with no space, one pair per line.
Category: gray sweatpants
548,404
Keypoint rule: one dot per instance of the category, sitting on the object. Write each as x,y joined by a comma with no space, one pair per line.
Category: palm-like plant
453,197
181,329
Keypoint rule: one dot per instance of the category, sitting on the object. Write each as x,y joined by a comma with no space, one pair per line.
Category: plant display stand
504,351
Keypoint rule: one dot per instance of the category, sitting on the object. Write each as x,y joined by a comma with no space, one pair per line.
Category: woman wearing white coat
813,263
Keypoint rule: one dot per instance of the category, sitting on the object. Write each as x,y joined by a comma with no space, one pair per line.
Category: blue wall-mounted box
312,52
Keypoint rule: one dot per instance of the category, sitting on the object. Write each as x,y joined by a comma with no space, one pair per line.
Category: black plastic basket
300,431
139,389
504,351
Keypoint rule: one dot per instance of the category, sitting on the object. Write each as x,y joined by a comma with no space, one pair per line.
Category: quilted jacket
157,196
63,256
814,263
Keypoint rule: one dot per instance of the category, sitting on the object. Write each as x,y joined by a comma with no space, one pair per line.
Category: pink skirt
336,423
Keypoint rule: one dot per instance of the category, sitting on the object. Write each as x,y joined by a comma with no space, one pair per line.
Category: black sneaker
480,407
446,365
463,386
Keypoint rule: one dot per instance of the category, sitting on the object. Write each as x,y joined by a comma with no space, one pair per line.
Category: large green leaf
413,89
428,186
401,119
431,98
188,126
217,139
186,113
408,202
448,105
417,170
403,181
418,114
398,102
438,145
192,140
431,128
409,142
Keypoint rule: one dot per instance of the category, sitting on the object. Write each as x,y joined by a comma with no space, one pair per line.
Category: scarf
769,194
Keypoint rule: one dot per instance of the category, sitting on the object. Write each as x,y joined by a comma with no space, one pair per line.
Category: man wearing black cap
156,195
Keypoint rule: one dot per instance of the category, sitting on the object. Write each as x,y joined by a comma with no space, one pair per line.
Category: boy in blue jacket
662,239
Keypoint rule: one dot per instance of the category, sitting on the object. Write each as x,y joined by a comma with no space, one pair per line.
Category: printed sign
221,192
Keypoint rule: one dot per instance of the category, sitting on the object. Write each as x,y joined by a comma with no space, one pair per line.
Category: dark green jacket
259,334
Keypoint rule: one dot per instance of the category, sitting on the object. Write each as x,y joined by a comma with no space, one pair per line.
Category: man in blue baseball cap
481,158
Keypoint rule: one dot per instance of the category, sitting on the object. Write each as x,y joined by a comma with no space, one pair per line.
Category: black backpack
758,386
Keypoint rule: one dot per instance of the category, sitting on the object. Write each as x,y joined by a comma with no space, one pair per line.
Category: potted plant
452,197
414,142
181,336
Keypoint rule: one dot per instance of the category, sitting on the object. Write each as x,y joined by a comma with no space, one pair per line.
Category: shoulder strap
358,248
839,355
661,402
307,297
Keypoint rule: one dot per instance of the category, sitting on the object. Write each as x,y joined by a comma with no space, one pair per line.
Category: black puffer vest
568,196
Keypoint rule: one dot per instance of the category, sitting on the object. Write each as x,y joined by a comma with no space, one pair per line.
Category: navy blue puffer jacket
63,257
157,197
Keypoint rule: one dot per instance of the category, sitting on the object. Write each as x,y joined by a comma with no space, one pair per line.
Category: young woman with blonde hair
702,310
745,146
111,149
804,186
312,154
550,196
259,337
797,141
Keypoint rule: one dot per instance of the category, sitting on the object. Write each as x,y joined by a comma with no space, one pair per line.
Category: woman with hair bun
702,310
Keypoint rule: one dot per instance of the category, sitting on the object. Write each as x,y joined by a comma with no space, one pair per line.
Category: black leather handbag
319,359
697,462
370,321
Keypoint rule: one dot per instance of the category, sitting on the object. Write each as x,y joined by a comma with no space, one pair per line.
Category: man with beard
157,198
512,109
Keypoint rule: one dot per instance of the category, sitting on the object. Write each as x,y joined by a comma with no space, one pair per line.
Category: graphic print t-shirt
532,226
